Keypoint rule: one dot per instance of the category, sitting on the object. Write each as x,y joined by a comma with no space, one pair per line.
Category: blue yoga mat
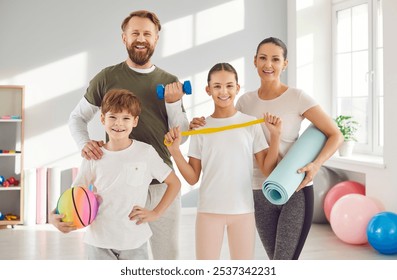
284,180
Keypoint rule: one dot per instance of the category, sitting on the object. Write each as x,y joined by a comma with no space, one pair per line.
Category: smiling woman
283,229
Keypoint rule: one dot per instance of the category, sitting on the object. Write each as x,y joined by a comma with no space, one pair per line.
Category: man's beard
140,57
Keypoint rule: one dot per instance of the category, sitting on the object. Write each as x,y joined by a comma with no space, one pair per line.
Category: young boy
121,179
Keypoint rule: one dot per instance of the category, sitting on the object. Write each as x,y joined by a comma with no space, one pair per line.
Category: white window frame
374,132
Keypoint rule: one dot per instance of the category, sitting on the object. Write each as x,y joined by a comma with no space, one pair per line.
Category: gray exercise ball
324,180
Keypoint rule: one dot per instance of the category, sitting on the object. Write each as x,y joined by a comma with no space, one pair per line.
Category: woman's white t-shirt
289,106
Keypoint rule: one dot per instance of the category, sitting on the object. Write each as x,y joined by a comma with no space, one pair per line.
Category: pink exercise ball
339,190
350,216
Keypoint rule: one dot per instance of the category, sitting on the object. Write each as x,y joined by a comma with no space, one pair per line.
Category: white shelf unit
11,154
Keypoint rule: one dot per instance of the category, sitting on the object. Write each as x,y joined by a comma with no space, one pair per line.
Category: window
358,69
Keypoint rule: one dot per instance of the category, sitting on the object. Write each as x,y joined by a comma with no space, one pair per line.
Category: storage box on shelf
11,154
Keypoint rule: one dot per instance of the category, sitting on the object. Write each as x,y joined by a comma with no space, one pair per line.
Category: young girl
226,159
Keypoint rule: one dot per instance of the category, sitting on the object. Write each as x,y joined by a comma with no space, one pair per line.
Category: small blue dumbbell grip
187,89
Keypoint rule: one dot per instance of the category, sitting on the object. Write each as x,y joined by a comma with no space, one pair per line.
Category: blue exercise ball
382,233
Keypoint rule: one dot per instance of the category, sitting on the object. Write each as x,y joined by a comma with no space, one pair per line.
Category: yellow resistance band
216,129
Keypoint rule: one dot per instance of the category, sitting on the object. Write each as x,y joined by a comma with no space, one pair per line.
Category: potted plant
348,127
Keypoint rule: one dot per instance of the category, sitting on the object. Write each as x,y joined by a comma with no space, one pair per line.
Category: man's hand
173,92
92,150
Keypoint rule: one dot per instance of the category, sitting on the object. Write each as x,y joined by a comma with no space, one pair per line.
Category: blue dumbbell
186,88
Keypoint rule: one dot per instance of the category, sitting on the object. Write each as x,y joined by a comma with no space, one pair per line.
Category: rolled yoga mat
284,180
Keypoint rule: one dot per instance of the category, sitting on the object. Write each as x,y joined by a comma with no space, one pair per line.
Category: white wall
385,183
315,20
309,40
55,47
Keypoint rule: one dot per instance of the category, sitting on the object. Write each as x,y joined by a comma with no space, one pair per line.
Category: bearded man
140,34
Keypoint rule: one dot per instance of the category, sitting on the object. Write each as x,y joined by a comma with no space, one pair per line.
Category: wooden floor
44,242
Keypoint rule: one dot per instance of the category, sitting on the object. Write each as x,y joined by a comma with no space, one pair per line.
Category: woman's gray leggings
283,229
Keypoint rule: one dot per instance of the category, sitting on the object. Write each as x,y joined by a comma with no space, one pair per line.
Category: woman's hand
196,123
310,170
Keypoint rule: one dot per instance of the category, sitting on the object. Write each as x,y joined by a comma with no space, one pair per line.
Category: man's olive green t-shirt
153,121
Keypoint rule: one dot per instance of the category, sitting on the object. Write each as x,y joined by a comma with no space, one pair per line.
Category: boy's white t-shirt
122,179
226,160
289,106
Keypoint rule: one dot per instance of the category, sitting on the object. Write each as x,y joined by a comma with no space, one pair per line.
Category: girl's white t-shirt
226,160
